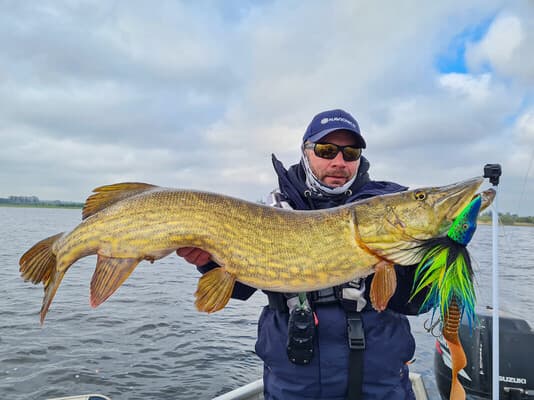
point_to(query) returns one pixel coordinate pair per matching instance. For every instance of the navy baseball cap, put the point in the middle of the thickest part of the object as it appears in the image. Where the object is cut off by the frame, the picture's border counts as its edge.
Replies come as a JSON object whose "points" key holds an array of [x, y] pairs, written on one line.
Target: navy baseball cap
{"points": [[329, 121]]}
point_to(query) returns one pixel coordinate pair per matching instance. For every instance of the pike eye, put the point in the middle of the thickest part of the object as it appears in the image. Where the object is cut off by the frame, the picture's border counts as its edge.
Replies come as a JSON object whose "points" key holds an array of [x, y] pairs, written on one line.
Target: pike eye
{"points": [[420, 195]]}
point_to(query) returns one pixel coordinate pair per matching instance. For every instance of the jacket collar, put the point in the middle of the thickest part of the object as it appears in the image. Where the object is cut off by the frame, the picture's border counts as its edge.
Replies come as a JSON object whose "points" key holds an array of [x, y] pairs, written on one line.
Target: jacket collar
{"points": [[292, 184]]}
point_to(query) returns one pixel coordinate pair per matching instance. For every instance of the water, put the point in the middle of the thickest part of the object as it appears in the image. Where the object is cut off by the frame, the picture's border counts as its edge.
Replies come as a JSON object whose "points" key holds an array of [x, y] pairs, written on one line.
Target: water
{"points": [[148, 341]]}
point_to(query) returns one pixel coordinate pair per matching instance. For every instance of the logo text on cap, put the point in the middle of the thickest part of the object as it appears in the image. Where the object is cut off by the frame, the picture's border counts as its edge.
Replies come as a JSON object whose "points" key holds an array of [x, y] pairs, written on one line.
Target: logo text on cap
{"points": [[332, 119]]}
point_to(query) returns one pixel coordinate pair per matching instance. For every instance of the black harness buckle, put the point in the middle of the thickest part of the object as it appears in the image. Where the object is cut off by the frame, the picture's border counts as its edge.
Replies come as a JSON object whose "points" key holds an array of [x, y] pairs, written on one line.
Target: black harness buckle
{"points": [[325, 296], [355, 331]]}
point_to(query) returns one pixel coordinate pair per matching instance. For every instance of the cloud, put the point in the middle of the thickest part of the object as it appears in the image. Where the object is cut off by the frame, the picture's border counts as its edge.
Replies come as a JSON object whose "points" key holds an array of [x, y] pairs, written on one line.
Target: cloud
{"points": [[506, 48], [199, 94], [525, 128]]}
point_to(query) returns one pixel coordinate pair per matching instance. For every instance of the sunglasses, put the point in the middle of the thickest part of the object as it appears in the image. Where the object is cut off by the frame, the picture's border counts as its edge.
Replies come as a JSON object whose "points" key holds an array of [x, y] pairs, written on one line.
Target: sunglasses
{"points": [[330, 150]]}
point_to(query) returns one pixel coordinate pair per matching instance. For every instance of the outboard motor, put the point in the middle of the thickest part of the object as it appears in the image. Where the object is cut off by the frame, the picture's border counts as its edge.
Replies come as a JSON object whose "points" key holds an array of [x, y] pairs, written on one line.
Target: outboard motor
{"points": [[516, 352]]}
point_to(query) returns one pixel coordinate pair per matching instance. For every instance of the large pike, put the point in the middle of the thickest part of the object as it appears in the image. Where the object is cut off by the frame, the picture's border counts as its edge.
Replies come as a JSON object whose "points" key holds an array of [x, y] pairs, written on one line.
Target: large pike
{"points": [[261, 246]]}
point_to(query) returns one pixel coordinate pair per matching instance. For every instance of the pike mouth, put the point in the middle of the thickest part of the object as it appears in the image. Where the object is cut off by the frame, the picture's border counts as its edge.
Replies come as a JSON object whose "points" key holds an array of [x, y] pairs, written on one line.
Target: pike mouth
{"points": [[459, 199], [456, 197], [487, 198]]}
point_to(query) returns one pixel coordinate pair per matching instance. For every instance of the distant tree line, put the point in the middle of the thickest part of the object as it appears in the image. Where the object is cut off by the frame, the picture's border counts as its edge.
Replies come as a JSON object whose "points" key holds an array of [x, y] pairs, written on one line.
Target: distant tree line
{"points": [[33, 201], [21, 199], [506, 218]]}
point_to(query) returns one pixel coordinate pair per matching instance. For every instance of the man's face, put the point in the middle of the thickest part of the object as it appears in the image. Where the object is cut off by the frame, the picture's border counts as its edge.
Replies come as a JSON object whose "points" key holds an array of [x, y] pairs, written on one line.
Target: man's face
{"points": [[335, 172]]}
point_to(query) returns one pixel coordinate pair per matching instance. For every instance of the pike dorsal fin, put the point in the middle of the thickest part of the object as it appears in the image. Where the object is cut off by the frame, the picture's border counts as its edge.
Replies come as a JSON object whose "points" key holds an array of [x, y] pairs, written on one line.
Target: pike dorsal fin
{"points": [[104, 196]]}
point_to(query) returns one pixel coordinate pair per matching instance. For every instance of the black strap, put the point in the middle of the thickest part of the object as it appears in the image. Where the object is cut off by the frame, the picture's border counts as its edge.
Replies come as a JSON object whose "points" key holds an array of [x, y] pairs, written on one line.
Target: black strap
{"points": [[277, 301], [357, 346]]}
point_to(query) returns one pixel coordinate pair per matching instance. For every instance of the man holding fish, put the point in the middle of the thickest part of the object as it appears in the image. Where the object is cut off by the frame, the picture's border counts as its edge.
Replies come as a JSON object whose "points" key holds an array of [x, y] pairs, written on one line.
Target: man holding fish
{"points": [[330, 330], [333, 343]]}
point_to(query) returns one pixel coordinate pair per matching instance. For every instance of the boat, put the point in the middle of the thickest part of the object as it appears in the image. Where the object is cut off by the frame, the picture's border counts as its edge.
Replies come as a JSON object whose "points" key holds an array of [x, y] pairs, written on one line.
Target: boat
{"points": [[83, 397], [516, 343], [254, 390]]}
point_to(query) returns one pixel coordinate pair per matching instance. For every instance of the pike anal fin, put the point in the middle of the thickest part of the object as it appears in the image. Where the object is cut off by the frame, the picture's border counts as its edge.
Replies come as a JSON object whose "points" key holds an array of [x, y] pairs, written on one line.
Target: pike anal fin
{"points": [[383, 285], [214, 290], [109, 275]]}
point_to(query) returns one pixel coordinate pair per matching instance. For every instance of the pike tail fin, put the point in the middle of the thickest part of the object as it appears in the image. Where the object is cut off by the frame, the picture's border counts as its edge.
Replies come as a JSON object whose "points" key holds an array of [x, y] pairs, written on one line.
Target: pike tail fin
{"points": [[447, 272], [38, 265], [50, 289]]}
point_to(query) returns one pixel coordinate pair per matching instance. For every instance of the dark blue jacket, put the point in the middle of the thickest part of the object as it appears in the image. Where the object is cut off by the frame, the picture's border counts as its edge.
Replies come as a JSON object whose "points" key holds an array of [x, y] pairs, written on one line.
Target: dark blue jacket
{"points": [[389, 342]]}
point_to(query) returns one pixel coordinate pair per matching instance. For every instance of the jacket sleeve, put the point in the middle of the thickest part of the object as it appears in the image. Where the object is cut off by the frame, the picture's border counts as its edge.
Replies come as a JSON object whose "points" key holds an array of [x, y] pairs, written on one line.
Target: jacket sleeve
{"points": [[240, 292], [400, 301]]}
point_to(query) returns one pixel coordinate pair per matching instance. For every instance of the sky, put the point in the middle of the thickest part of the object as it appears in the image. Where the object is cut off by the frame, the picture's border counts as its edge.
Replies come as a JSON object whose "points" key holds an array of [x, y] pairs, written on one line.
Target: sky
{"points": [[198, 95]]}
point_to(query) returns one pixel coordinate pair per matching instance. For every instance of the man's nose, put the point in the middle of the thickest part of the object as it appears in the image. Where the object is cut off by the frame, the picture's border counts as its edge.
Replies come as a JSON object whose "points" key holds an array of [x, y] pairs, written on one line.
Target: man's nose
{"points": [[338, 160]]}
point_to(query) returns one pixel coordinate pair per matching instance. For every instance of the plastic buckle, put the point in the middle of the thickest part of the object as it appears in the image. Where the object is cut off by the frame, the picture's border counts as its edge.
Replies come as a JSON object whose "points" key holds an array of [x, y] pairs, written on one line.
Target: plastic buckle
{"points": [[324, 296], [355, 332]]}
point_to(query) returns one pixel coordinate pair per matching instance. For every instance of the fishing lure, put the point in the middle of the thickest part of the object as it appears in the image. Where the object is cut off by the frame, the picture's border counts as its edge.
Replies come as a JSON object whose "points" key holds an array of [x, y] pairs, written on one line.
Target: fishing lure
{"points": [[446, 272], [446, 269]]}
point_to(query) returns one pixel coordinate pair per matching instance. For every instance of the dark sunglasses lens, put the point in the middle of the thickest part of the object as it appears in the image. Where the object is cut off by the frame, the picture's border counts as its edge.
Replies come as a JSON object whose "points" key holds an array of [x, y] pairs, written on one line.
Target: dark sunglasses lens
{"points": [[351, 153], [326, 150], [329, 151]]}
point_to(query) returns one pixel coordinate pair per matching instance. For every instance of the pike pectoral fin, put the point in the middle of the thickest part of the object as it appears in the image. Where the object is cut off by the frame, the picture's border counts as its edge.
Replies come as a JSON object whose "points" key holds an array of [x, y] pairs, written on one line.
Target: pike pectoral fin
{"points": [[383, 285], [109, 274], [214, 290]]}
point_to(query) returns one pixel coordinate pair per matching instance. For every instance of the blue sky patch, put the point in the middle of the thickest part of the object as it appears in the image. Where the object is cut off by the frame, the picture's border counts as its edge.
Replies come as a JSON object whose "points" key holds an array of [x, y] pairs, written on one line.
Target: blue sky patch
{"points": [[452, 59]]}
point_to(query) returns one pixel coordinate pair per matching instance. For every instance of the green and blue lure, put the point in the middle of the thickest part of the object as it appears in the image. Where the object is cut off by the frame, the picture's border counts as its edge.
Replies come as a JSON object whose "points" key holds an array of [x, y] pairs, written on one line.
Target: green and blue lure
{"points": [[445, 268]]}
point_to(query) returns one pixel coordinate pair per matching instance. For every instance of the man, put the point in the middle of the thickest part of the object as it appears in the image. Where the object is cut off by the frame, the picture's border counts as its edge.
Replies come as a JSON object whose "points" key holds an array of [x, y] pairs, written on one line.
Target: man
{"points": [[312, 345]]}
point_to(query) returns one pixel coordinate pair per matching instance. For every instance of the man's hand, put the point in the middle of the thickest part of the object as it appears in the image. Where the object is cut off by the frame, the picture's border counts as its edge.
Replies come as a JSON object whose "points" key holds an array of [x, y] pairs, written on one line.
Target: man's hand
{"points": [[194, 255]]}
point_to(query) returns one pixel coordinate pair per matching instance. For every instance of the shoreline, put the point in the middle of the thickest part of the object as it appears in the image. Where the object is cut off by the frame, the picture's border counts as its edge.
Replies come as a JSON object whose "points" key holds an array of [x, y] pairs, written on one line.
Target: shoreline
{"points": [[79, 207], [506, 224], [70, 207]]}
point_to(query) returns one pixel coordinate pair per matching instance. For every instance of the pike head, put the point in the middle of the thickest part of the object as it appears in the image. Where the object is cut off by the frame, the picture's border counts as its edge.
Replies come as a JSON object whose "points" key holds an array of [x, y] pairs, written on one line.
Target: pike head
{"points": [[393, 226]]}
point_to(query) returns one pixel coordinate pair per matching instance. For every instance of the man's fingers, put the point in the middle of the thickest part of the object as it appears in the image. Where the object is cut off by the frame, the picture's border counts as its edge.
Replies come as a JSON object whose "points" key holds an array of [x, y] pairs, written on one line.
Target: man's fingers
{"points": [[194, 255], [185, 251], [202, 258]]}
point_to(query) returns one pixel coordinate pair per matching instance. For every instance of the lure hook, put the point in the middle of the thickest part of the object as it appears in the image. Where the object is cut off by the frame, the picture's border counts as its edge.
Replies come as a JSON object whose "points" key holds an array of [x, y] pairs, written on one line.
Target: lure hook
{"points": [[431, 326]]}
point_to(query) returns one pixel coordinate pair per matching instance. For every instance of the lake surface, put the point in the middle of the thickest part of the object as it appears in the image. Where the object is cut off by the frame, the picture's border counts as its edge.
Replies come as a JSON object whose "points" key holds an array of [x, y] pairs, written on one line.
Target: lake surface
{"points": [[149, 342]]}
